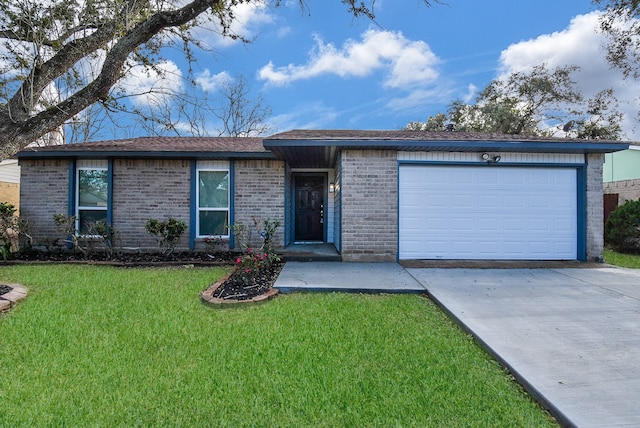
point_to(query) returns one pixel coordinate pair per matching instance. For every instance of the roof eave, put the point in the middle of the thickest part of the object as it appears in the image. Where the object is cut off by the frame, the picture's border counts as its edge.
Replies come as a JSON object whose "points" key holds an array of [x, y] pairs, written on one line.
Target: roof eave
{"points": [[570, 146], [322, 153], [112, 154]]}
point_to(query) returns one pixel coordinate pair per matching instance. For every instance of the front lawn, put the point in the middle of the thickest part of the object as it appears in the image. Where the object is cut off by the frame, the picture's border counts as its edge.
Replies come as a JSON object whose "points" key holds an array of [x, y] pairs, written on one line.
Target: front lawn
{"points": [[100, 346], [623, 260]]}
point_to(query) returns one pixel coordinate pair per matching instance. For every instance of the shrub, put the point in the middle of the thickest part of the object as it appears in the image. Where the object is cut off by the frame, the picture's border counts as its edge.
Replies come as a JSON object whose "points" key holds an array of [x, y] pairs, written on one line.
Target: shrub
{"points": [[84, 243], [622, 229], [105, 232], [265, 229], [213, 243], [167, 233], [256, 260], [66, 225], [12, 230], [266, 235]]}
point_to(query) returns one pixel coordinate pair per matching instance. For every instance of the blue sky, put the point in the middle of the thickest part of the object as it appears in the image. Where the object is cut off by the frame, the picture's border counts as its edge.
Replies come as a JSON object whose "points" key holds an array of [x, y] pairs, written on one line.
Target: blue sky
{"points": [[320, 68]]}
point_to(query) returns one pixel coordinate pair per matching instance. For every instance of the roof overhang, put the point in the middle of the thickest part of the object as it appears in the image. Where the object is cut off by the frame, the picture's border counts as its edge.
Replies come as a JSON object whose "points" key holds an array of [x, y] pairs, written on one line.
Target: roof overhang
{"points": [[310, 153], [112, 154]]}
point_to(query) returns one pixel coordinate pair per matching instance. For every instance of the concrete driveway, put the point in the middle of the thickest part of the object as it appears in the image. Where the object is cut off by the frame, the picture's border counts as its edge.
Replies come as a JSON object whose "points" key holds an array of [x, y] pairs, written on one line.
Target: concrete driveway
{"points": [[571, 336]]}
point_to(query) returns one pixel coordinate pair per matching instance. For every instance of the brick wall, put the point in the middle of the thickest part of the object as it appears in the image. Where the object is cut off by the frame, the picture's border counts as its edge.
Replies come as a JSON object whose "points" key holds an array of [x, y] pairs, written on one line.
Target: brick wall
{"points": [[595, 208], [627, 189], [44, 191], [143, 189], [259, 193], [369, 196]]}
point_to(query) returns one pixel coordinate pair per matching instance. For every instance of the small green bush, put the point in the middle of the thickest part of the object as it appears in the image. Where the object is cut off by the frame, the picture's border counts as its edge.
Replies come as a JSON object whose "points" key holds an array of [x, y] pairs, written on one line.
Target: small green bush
{"points": [[167, 233], [622, 229]]}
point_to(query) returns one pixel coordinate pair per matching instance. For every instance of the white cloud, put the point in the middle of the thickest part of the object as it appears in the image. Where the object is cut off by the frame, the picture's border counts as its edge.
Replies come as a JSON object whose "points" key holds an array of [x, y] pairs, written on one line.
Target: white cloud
{"points": [[579, 44], [248, 18], [420, 97], [152, 86], [407, 63], [313, 115], [210, 82]]}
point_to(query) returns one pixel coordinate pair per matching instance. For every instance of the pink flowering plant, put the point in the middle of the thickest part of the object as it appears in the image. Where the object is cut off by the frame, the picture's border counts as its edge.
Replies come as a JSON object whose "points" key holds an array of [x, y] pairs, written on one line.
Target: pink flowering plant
{"points": [[256, 259], [213, 243]]}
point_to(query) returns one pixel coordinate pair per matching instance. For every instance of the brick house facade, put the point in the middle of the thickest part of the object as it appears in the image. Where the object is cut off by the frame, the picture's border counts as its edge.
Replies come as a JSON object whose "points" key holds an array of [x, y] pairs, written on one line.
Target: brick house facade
{"points": [[346, 188]]}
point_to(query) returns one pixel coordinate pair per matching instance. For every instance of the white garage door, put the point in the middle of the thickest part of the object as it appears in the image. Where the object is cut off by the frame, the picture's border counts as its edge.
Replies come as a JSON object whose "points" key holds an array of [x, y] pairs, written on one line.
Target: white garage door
{"points": [[487, 212]]}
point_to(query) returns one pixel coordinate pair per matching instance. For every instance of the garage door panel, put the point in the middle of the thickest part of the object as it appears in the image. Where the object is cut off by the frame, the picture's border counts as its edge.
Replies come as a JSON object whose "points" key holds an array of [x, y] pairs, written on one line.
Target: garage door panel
{"points": [[480, 212], [488, 225]]}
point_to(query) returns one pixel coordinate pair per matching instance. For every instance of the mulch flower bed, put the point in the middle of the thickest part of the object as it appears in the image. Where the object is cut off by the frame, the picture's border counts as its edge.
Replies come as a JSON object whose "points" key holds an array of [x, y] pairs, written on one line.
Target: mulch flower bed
{"points": [[129, 258], [234, 287]]}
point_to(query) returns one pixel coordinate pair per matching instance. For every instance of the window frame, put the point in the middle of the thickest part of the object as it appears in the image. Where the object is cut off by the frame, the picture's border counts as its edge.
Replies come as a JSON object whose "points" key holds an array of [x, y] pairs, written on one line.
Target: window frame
{"points": [[77, 207], [199, 209]]}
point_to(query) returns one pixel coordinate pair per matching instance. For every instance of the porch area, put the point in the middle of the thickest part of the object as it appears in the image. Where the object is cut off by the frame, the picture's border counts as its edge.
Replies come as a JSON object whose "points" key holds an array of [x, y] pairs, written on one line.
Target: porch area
{"points": [[316, 252]]}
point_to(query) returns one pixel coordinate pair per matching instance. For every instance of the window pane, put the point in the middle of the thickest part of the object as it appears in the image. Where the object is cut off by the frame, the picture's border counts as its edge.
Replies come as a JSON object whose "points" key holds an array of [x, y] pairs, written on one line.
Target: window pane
{"points": [[213, 223], [213, 189], [92, 188], [85, 216]]}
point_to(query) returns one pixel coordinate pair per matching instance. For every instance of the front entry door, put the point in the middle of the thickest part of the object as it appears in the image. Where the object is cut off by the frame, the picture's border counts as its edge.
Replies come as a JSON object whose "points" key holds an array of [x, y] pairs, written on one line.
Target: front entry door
{"points": [[309, 208]]}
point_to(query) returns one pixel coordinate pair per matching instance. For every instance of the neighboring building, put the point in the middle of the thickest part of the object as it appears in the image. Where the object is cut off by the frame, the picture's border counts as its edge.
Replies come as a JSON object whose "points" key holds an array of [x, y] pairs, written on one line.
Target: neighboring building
{"points": [[10, 170], [375, 195], [10, 182], [621, 178]]}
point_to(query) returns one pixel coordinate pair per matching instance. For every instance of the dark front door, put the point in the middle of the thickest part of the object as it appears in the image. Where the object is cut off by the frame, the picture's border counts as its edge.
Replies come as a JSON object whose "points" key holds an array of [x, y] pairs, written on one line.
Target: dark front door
{"points": [[309, 208]]}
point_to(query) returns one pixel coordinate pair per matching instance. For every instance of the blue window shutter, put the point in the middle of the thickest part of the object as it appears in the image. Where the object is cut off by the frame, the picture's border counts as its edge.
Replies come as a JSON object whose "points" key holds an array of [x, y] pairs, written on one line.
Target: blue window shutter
{"points": [[193, 214], [110, 192], [232, 191], [288, 210], [71, 208]]}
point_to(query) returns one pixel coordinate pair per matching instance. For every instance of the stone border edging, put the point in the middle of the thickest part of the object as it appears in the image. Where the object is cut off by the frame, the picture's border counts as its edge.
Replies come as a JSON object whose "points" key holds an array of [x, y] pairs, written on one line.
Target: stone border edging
{"points": [[215, 302], [8, 300]]}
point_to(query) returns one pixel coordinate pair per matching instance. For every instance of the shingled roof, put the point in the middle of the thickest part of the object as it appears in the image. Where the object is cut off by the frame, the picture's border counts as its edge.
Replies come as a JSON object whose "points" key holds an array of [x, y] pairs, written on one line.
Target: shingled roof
{"points": [[407, 135], [176, 147], [318, 148]]}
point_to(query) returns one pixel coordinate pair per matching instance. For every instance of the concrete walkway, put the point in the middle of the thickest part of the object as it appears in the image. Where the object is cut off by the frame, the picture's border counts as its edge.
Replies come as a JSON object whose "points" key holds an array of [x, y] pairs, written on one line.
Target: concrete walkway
{"points": [[570, 336], [346, 277]]}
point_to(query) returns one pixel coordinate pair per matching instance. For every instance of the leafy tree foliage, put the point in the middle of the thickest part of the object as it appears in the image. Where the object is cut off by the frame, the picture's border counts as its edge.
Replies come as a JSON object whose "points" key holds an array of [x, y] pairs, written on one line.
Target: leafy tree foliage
{"points": [[539, 102], [622, 229], [59, 57], [620, 22]]}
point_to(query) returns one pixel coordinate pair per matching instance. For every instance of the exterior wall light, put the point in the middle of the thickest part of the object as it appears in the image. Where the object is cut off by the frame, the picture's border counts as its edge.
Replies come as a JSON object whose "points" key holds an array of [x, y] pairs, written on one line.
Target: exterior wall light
{"points": [[490, 159], [332, 187]]}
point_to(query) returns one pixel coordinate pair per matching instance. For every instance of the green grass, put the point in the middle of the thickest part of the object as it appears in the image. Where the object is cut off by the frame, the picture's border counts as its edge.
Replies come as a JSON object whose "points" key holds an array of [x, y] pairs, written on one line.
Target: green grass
{"points": [[623, 260], [99, 346]]}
